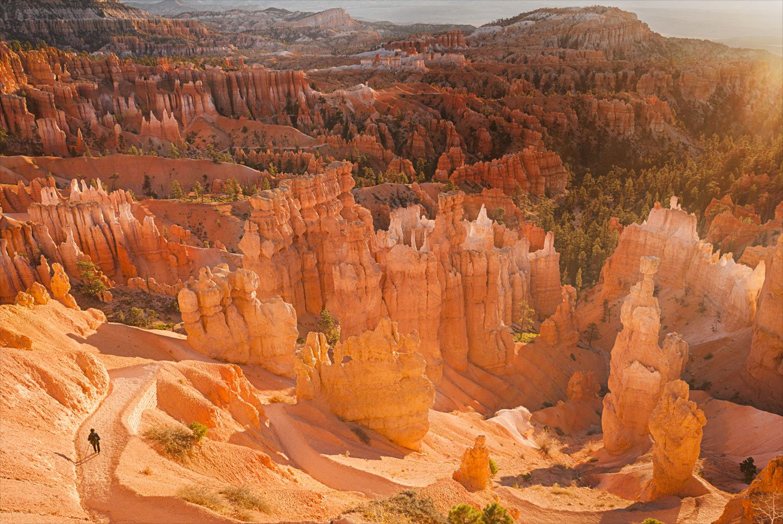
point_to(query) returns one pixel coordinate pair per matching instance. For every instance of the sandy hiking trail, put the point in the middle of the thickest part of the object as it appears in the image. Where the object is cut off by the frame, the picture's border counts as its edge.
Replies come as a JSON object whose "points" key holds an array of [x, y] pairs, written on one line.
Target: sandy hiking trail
{"points": [[116, 420]]}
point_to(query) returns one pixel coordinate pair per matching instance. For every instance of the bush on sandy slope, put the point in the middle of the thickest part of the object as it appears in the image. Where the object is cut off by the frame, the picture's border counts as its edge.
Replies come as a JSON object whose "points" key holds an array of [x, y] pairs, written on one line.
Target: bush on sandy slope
{"points": [[202, 496], [175, 441], [242, 497], [199, 430], [233, 501], [406, 507], [491, 514]]}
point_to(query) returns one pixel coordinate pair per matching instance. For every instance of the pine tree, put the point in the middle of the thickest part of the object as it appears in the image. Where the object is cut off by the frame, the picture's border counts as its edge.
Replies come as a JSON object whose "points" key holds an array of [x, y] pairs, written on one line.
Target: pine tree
{"points": [[329, 327], [198, 190], [233, 189], [591, 333], [526, 317], [90, 275], [176, 190], [146, 186]]}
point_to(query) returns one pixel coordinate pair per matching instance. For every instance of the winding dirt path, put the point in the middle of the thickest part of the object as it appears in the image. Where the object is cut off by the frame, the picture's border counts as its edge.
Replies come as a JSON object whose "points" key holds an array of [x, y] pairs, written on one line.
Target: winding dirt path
{"points": [[132, 390], [96, 470]]}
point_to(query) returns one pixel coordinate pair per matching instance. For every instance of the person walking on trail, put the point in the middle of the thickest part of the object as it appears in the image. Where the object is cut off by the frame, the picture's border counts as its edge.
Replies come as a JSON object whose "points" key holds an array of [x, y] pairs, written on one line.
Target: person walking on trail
{"points": [[95, 440]]}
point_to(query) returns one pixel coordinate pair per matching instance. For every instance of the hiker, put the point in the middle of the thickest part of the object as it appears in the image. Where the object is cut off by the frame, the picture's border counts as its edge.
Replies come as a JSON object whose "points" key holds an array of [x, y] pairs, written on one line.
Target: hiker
{"points": [[95, 440]]}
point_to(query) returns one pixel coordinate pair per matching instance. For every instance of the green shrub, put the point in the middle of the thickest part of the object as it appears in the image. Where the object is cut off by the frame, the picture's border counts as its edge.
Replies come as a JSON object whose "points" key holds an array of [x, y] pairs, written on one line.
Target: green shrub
{"points": [[175, 441], [138, 317], [234, 501], [329, 327], [525, 338], [491, 514], [464, 514], [493, 467], [405, 507], [748, 468], [89, 274], [199, 430], [495, 514], [651, 521]]}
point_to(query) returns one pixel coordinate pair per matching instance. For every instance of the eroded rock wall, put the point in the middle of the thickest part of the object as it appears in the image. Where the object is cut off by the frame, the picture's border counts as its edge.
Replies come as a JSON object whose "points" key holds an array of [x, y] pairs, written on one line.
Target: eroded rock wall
{"points": [[225, 320], [685, 263], [376, 379], [764, 365]]}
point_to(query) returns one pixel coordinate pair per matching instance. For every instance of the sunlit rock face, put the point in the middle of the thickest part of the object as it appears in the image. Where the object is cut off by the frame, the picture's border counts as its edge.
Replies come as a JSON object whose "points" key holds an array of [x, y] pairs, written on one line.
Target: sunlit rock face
{"points": [[685, 262], [225, 320], [311, 245], [764, 365], [376, 379], [474, 472], [93, 225], [460, 284], [639, 368], [469, 279], [760, 500], [676, 428], [531, 170]]}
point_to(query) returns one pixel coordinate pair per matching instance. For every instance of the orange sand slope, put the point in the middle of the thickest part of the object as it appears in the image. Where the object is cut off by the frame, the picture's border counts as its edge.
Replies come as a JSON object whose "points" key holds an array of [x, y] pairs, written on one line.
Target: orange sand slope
{"points": [[310, 466]]}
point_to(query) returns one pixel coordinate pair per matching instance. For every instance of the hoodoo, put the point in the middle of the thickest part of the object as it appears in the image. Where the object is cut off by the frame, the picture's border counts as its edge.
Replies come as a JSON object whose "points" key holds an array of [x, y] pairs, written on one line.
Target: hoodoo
{"points": [[640, 368], [676, 428], [376, 379]]}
